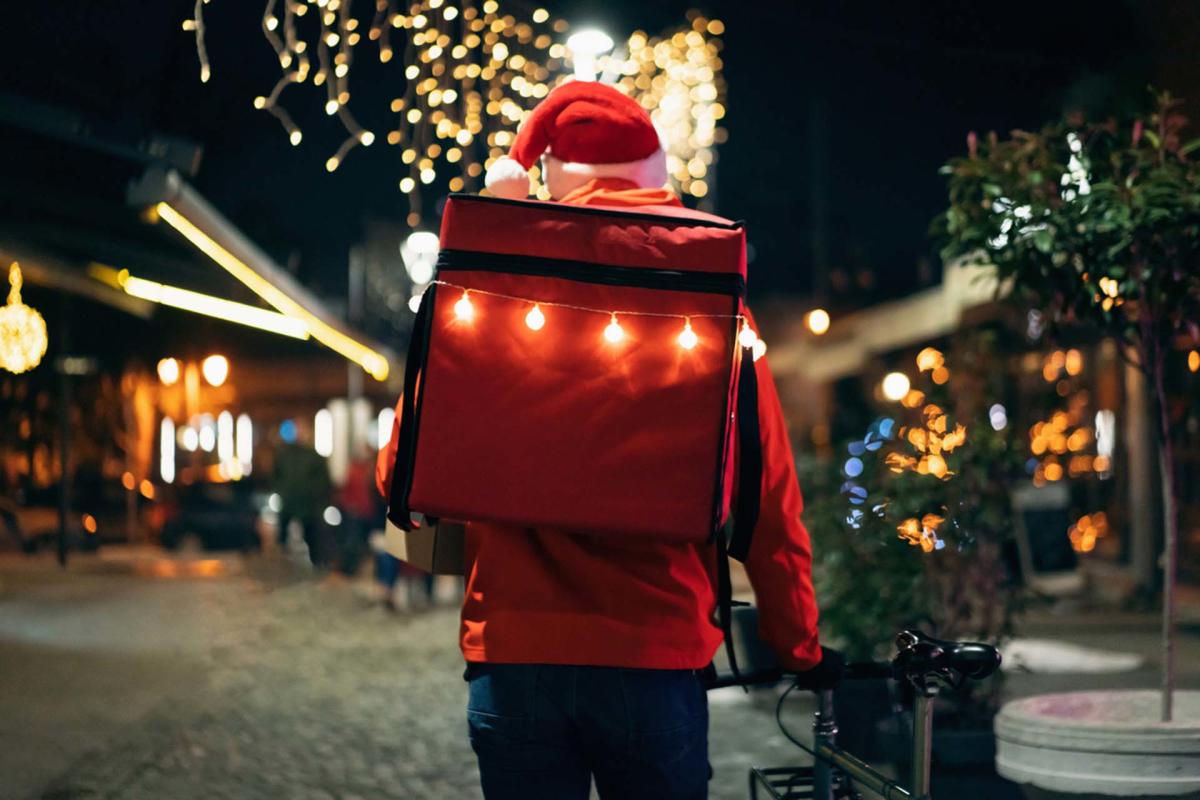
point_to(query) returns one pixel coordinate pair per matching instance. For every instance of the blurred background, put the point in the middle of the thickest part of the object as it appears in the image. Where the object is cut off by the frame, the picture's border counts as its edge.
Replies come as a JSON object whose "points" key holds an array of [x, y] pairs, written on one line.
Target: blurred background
{"points": [[225, 214]]}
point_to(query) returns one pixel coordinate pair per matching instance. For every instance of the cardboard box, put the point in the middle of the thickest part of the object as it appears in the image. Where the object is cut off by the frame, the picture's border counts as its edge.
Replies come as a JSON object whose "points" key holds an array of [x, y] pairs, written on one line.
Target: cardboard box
{"points": [[438, 549]]}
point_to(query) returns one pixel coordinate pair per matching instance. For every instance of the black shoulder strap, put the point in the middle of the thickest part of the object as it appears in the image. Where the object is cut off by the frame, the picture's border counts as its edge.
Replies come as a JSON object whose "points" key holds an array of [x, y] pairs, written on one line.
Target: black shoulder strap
{"points": [[745, 515], [406, 449], [725, 603], [750, 461]]}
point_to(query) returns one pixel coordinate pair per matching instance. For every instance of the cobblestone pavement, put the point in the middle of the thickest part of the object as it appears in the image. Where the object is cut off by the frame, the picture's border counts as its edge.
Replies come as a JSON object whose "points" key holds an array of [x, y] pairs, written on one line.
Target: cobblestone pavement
{"points": [[259, 687]]}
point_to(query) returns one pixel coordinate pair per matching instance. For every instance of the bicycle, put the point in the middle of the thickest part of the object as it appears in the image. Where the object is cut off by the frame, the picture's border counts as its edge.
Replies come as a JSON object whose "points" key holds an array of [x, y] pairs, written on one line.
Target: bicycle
{"points": [[925, 664]]}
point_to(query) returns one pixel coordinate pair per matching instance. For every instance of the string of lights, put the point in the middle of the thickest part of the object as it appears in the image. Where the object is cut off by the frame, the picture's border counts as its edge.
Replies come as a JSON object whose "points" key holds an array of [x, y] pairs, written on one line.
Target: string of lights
{"points": [[677, 78], [473, 72], [535, 319], [196, 24]]}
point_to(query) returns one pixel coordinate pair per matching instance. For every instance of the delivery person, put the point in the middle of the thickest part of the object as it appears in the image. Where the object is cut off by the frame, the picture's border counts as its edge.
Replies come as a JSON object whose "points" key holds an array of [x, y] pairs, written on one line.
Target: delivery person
{"points": [[585, 654]]}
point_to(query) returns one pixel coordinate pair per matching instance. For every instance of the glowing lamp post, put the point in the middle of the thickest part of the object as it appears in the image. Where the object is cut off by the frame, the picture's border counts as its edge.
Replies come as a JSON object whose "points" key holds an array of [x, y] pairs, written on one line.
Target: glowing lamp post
{"points": [[584, 47]]}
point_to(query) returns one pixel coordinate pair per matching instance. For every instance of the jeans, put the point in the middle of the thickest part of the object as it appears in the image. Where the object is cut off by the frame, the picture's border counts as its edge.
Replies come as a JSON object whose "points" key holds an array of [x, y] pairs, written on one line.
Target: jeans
{"points": [[545, 731]]}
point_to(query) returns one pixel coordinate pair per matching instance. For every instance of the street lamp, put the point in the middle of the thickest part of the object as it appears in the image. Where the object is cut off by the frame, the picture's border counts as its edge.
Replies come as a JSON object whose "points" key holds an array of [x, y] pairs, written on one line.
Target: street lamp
{"points": [[585, 46]]}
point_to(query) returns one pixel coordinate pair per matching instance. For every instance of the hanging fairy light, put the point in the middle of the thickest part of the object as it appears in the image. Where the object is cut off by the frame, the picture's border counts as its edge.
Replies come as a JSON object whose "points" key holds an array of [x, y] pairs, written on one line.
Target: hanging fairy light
{"points": [[463, 308], [688, 338], [747, 337], [472, 72], [23, 337], [613, 332]]}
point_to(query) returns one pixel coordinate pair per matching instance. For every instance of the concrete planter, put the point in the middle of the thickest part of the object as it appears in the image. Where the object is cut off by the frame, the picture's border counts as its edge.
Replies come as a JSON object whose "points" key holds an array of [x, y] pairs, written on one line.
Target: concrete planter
{"points": [[1100, 744]]}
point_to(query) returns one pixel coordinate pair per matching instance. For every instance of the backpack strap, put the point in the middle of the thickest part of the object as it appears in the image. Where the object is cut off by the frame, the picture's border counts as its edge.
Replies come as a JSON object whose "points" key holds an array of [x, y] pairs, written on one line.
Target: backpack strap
{"points": [[406, 447], [749, 492], [750, 461], [725, 603]]}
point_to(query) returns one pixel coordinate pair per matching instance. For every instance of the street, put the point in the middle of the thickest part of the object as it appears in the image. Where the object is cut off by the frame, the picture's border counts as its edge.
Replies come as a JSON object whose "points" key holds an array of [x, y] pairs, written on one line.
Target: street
{"points": [[143, 676], [252, 683]]}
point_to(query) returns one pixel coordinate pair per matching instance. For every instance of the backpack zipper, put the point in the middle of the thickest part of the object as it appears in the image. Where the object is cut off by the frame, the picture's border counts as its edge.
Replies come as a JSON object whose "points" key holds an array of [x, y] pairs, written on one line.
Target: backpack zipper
{"points": [[674, 280]]}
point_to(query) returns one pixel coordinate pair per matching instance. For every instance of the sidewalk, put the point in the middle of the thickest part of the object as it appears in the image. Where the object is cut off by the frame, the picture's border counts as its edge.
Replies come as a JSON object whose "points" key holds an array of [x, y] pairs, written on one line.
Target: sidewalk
{"points": [[252, 681]]}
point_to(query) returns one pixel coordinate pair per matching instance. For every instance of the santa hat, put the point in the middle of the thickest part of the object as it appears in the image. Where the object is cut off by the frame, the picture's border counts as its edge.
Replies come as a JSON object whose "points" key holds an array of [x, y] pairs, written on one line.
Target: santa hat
{"points": [[582, 130]]}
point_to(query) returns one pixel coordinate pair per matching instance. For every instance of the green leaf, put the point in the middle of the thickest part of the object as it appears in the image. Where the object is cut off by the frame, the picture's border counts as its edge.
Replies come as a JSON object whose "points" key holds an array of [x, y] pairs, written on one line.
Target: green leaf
{"points": [[1043, 240], [1188, 148], [1152, 138]]}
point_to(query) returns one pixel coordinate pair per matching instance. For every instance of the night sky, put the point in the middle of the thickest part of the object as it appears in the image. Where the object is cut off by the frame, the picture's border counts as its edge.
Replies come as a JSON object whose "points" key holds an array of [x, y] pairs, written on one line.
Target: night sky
{"points": [[839, 114]]}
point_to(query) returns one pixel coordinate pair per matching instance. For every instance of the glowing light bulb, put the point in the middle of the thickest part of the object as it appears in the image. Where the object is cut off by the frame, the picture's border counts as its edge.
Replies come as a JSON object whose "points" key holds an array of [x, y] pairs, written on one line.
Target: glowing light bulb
{"points": [[296, 137], [817, 321], [760, 349], [688, 338], [895, 386], [463, 308], [747, 337], [613, 332], [535, 319]]}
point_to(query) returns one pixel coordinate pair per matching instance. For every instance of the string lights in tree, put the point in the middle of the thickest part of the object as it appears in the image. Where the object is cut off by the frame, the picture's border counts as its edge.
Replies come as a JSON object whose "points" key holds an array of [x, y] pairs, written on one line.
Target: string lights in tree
{"points": [[472, 71], [196, 25], [677, 78]]}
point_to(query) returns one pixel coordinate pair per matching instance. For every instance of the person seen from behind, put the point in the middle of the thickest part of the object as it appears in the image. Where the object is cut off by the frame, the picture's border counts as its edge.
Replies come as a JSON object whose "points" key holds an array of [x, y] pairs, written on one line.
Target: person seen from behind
{"points": [[585, 654]]}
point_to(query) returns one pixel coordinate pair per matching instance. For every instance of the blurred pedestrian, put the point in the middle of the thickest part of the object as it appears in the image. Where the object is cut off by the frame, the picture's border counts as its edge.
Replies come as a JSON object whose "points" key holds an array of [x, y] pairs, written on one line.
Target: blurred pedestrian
{"points": [[301, 479], [361, 510]]}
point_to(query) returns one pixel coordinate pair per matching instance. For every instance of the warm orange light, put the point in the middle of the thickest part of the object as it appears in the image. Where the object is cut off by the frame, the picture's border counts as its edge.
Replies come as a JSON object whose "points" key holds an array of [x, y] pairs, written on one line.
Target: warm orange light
{"points": [[929, 359], [168, 371], [1074, 362], [147, 489], [463, 309], [1194, 361], [215, 369], [613, 331], [817, 321], [535, 319], [688, 338], [89, 523], [127, 480]]}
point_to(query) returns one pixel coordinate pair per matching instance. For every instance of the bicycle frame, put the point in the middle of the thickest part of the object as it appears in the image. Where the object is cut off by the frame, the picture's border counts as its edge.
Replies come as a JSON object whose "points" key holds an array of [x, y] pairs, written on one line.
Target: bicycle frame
{"points": [[830, 758], [924, 665]]}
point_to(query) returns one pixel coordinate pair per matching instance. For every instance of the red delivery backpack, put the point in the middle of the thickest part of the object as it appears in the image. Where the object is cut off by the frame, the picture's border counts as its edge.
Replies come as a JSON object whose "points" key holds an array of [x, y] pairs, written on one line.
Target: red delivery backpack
{"points": [[581, 368]]}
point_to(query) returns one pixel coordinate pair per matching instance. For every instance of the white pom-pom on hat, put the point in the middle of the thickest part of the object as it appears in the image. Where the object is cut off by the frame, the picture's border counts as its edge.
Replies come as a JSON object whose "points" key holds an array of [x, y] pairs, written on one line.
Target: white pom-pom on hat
{"points": [[507, 178]]}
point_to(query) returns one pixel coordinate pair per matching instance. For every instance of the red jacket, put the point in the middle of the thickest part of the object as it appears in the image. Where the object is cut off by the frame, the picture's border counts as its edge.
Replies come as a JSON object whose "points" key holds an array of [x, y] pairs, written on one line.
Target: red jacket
{"points": [[552, 597]]}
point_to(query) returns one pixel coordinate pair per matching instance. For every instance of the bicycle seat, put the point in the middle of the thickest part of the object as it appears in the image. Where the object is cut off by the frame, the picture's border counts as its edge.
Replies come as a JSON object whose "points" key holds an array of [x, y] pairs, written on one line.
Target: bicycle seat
{"points": [[919, 655]]}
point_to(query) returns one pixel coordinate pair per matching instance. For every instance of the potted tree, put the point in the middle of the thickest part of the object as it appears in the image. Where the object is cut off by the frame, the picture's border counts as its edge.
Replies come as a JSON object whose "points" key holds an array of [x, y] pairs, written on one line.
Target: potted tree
{"points": [[1098, 223], [918, 533]]}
